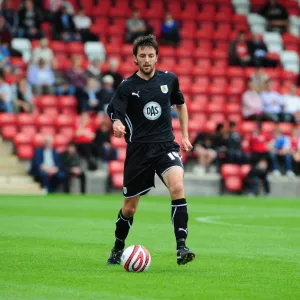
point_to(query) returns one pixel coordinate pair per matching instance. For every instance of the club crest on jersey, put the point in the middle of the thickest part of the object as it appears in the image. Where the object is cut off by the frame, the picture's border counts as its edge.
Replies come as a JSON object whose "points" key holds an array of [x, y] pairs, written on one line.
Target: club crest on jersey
{"points": [[152, 110], [164, 88]]}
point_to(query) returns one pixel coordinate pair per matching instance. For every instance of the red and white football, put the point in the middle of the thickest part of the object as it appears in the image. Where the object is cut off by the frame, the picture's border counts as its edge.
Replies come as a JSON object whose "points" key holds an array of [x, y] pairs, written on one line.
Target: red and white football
{"points": [[136, 258]]}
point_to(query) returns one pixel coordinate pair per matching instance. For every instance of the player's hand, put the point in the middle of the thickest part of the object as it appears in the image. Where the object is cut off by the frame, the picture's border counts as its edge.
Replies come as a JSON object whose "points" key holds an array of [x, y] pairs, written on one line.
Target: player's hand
{"points": [[186, 145], [119, 129]]}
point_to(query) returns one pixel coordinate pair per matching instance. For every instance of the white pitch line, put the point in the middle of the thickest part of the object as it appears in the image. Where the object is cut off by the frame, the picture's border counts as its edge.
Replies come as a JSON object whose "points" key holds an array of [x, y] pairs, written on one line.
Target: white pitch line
{"points": [[214, 220]]}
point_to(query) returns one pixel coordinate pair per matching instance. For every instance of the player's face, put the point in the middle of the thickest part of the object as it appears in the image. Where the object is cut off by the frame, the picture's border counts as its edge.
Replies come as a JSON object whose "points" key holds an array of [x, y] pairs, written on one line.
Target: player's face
{"points": [[146, 59]]}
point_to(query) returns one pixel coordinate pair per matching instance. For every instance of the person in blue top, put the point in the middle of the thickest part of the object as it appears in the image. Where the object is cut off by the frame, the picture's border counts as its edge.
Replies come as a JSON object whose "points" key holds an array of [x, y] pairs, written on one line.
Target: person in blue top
{"points": [[280, 147], [170, 30]]}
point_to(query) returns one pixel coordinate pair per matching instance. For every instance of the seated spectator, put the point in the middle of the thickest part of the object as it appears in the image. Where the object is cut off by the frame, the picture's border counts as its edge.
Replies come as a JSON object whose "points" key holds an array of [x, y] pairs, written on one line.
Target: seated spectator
{"points": [[234, 146], [252, 106], [258, 174], [5, 65], [170, 31], [204, 152], [113, 67], [295, 148], [259, 52], [94, 69], [276, 15], [76, 75], [259, 78], [10, 16], [102, 145], [43, 52], [106, 93], [280, 147], [239, 52], [82, 24], [70, 164], [22, 97], [88, 98], [65, 89], [84, 137], [219, 143], [45, 166], [135, 27], [272, 102], [5, 95], [41, 78], [258, 145], [291, 105], [64, 27], [29, 21]]}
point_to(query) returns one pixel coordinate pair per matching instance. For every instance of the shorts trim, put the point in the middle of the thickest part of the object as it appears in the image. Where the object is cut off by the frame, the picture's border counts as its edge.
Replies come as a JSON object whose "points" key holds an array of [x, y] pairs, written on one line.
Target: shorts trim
{"points": [[146, 190], [169, 169]]}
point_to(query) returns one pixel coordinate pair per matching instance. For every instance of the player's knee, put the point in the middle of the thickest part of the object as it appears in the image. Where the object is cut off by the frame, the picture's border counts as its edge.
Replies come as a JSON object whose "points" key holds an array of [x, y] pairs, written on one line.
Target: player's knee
{"points": [[128, 211], [176, 188]]}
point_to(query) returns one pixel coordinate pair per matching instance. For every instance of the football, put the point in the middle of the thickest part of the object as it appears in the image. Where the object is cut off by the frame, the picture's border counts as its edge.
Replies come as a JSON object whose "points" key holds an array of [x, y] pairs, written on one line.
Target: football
{"points": [[136, 258]]}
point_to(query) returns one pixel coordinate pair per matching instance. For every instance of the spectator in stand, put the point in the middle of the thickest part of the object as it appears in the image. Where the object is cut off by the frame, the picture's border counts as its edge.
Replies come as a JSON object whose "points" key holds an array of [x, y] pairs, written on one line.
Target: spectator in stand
{"points": [[94, 69], [234, 146], [65, 89], [204, 152], [83, 139], [45, 166], [291, 105], [70, 164], [259, 78], [295, 148], [170, 31], [22, 97], [5, 95], [41, 78], [76, 75], [106, 93], [88, 99], [252, 106], [64, 27], [29, 21], [113, 67], [276, 15], [11, 17], [259, 52], [239, 51], [82, 24], [43, 52], [135, 27], [219, 143], [258, 174], [280, 148], [272, 102], [259, 144], [102, 145], [5, 65]]}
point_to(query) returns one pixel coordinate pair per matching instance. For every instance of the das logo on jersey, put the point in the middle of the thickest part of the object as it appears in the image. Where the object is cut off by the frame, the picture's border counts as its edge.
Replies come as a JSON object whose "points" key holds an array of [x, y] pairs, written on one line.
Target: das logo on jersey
{"points": [[152, 110], [164, 88]]}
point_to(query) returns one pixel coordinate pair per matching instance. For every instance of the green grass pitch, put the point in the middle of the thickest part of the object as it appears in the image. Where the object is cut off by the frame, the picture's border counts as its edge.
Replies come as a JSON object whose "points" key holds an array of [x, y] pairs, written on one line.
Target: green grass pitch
{"points": [[56, 247]]}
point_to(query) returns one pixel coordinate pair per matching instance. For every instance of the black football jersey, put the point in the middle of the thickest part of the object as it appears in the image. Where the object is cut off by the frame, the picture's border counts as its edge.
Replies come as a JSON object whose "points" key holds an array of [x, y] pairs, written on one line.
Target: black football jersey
{"points": [[144, 107]]}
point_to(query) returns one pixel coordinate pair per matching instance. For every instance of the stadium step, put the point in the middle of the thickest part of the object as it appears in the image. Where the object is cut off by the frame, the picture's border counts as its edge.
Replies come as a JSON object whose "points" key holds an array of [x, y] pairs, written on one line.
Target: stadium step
{"points": [[13, 175]]}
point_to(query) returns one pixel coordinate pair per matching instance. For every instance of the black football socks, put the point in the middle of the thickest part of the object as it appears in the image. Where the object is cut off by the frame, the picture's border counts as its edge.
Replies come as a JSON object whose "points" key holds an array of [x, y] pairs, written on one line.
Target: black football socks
{"points": [[180, 220], [123, 226]]}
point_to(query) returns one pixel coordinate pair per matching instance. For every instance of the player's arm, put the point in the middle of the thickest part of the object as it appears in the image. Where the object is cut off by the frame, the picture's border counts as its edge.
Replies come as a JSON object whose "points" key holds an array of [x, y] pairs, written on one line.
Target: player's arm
{"points": [[178, 100], [117, 109]]}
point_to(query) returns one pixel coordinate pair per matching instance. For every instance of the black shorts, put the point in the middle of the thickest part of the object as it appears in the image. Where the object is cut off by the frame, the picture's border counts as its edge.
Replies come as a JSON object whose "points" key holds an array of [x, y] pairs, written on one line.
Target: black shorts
{"points": [[143, 161]]}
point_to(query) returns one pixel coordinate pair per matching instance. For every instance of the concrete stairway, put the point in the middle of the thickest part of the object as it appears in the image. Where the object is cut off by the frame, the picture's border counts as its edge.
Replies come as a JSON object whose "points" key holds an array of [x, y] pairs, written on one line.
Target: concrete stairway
{"points": [[13, 176]]}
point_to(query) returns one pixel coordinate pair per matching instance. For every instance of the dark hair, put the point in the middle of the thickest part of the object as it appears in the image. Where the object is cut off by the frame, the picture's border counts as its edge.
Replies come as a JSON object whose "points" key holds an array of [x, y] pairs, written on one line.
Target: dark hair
{"points": [[71, 144], [145, 41], [219, 127], [2, 76], [232, 124]]}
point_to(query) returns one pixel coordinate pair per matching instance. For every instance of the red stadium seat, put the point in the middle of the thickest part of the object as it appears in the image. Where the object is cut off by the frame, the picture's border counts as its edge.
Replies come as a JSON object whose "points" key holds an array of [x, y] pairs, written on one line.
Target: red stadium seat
{"points": [[217, 118], [47, 101], [75, 48], [232, 108], [25, 119], [8, 132], [233, 183], [244, 170], [117, 180], [28, 129], [121, 154], [268, 127], [230, 170], [67, 131], [25, 152], [47, 130], [117, 142], [209, 126], [67, 102], [60, 141], [115, 167], [248, 127], [64, 120], [44, 120], [22, 138], [7, 119], [38, 140], [58, 47], [286, 128], [51, 111]]}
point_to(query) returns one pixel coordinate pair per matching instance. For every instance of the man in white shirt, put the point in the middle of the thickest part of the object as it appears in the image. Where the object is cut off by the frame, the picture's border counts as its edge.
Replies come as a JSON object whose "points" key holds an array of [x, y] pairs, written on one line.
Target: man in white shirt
{"points": [[272, 102], [291, 105], [43, 52]]}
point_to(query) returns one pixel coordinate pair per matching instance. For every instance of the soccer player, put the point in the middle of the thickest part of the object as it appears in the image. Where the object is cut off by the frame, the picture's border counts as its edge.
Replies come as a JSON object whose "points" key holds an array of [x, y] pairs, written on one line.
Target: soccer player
{"points": [[141, 111]]}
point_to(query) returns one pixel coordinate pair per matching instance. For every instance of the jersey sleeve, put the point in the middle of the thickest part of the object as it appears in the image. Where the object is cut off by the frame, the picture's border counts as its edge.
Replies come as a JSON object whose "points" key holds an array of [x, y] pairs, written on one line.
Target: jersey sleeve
{"points": [[177, 97], [118, 104]]}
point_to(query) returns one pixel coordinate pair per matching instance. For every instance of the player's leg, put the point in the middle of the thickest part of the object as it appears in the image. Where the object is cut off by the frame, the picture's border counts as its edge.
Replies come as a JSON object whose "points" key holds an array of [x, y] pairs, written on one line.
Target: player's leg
{"points": [[123, 225], [173, 179]]}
